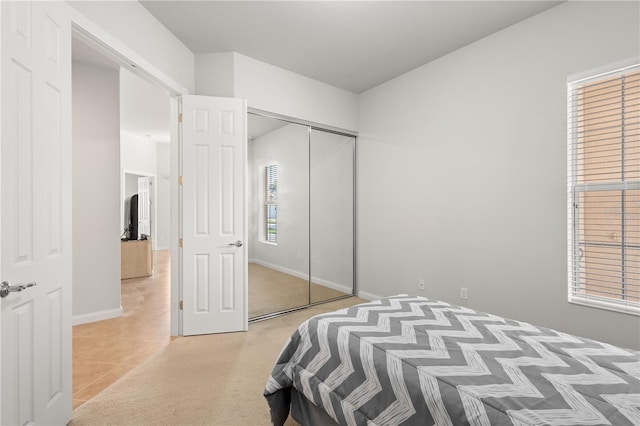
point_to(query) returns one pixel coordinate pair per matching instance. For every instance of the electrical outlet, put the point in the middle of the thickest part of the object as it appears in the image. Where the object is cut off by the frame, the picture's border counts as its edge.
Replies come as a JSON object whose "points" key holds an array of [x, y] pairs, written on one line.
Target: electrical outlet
{"points": [[421, 284], [463, 293]]}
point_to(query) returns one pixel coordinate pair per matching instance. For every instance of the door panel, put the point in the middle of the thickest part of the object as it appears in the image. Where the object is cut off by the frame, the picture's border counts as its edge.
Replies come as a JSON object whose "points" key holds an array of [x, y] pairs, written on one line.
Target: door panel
{"points": [[279, 215], [35, 224], [214, 271], [331, 215]]}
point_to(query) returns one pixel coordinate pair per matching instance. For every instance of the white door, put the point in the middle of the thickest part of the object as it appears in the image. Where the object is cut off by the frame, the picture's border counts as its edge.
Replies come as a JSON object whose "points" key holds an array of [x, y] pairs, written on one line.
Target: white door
{"points": [[35, 222], [214, 283], [144, 206]]}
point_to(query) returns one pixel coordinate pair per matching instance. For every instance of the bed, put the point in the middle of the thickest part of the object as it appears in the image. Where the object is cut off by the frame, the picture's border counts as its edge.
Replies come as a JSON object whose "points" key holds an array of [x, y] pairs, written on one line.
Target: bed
{"points": [[410, 360]]}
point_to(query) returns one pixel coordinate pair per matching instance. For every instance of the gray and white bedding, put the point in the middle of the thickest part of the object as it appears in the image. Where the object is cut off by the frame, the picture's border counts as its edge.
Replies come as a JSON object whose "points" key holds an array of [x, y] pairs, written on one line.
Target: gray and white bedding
{"points": [[411, 360]]}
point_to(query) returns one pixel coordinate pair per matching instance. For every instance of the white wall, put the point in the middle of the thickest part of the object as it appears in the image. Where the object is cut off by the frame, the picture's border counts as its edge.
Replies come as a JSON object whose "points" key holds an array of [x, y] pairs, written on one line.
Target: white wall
{"points": [[214, 74], [133, 26], [138, 157], [96, 193], [274, 89], [331, 210], [138, 154], [462, 171], [269, 88], [130, 185], [163, 201]]}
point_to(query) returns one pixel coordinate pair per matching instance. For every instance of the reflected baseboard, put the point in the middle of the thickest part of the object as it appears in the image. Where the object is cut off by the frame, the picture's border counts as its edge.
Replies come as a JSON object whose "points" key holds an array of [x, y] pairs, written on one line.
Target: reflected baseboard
{"points": [[315, 280]]}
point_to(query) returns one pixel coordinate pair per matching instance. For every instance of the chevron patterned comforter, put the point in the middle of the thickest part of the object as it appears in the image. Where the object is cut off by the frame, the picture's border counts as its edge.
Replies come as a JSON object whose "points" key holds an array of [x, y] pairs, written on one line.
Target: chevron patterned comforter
{"points": [[413, 361]]}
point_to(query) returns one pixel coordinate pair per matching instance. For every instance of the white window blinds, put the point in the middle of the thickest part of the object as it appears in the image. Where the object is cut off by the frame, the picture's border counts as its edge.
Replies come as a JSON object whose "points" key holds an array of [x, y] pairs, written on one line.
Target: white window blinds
{"points": [[604, 190], [271, 203]]}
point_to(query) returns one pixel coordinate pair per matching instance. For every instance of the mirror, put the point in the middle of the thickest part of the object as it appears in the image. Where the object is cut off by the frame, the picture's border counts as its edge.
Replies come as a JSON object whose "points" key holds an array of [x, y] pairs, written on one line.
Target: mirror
{"points": [[278, 157], [331, 215], [301, 216]]}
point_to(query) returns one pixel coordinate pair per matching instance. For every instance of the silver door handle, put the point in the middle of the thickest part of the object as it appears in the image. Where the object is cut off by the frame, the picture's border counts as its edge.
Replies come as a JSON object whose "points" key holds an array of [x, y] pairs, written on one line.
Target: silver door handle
{"points": [[6, 288], [237, 244]]}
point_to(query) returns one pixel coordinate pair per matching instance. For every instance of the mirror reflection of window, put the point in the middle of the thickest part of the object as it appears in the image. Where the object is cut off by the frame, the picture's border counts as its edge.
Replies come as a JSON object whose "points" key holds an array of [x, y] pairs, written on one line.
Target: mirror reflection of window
{"points": [[271, 203]]}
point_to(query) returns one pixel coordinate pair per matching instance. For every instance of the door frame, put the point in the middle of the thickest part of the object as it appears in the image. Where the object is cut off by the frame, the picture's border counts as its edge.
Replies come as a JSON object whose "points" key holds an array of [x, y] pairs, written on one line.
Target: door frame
{"points": [[103, 42]]}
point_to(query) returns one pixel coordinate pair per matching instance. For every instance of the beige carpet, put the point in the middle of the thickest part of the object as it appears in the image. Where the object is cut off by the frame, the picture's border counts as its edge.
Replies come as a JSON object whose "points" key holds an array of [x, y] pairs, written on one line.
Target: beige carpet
{"points": [[273, 291], [201, 380]]}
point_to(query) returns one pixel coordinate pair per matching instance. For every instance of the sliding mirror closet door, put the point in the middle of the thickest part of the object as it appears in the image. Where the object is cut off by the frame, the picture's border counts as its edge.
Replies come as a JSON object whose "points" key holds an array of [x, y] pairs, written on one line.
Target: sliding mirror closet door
{"points": [[278, 160], [331, 215]]}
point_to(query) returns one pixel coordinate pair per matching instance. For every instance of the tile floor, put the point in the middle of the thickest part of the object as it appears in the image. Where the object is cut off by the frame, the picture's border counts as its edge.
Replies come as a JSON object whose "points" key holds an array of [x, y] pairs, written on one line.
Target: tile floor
{"points": [[103, 351]]}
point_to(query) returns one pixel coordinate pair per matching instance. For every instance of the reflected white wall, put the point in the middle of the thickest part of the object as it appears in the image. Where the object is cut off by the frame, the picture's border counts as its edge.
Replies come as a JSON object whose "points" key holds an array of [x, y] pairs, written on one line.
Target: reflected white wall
{"points": [[331, 212]]}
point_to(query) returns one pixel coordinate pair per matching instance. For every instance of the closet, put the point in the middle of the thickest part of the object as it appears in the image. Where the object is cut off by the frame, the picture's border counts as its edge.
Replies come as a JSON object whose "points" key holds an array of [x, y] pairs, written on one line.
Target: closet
{"points": [[300, 214]]}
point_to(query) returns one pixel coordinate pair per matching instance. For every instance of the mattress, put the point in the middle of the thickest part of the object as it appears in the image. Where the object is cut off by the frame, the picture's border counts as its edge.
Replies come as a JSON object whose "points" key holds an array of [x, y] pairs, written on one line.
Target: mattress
{"points": [[410, 360]]}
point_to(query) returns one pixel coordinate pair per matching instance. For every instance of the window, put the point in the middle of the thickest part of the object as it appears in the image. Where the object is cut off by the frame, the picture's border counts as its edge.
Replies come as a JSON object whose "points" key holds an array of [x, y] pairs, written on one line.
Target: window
{"points": [[604, 190], [270, 225]]}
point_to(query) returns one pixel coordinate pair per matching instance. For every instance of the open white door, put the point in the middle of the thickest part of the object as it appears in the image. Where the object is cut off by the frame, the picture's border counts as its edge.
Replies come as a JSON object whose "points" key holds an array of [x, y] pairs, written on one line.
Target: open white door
{"points": [[214, 282], [35, 224], [144, 206]]}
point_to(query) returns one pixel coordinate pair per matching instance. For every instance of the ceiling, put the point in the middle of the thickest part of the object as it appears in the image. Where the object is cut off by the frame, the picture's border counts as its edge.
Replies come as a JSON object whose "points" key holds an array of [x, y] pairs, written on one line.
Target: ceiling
{"points": [[354, 45]]}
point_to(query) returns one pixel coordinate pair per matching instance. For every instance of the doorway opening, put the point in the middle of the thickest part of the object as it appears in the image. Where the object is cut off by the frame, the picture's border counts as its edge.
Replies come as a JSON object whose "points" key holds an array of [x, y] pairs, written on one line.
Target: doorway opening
{"points": [[121, 134]]}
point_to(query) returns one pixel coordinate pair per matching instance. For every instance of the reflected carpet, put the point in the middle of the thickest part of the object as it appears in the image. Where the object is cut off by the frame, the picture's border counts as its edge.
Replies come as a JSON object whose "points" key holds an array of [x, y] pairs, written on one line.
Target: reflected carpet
{"points": [[274, 291]]}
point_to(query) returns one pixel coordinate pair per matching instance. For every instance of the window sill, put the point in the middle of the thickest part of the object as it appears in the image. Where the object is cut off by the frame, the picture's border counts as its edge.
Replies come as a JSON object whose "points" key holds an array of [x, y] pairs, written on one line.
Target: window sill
{"points": [[609, 306], [269, 243]]}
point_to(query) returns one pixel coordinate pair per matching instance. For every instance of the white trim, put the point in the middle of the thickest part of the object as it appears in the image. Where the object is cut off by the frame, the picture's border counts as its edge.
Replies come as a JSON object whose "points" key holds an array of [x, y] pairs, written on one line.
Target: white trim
{"points": [[607, 186], [97, 316], [602, 304], [335, 286], [279, 268], [604, 70], [312, 124], [93, 35], [316, 280], [369, 296]]}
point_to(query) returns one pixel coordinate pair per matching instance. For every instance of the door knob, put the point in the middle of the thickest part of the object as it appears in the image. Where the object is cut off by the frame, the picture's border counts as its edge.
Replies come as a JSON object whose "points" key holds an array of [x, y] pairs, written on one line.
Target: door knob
{"points": [[237, 244], [6, 288]]}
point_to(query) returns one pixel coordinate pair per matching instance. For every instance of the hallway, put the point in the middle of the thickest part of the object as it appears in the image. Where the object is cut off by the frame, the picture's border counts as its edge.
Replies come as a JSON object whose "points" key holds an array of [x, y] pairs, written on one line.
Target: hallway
{"points": [[104, 351]]}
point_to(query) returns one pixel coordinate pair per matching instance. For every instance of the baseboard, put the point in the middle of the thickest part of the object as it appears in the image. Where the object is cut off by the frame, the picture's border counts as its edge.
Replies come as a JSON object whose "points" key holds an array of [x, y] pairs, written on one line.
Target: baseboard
{"points": [[279, 268], [161, 248], [317, 280], [368, 296], [335, 286], [96, 316]]}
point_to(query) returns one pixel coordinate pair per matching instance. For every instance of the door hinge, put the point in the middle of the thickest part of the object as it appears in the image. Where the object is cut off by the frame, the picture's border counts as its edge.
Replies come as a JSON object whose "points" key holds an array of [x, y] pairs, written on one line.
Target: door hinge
{"points": [[181, 305], [180, 118], [181, 180], [181, 243]]}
